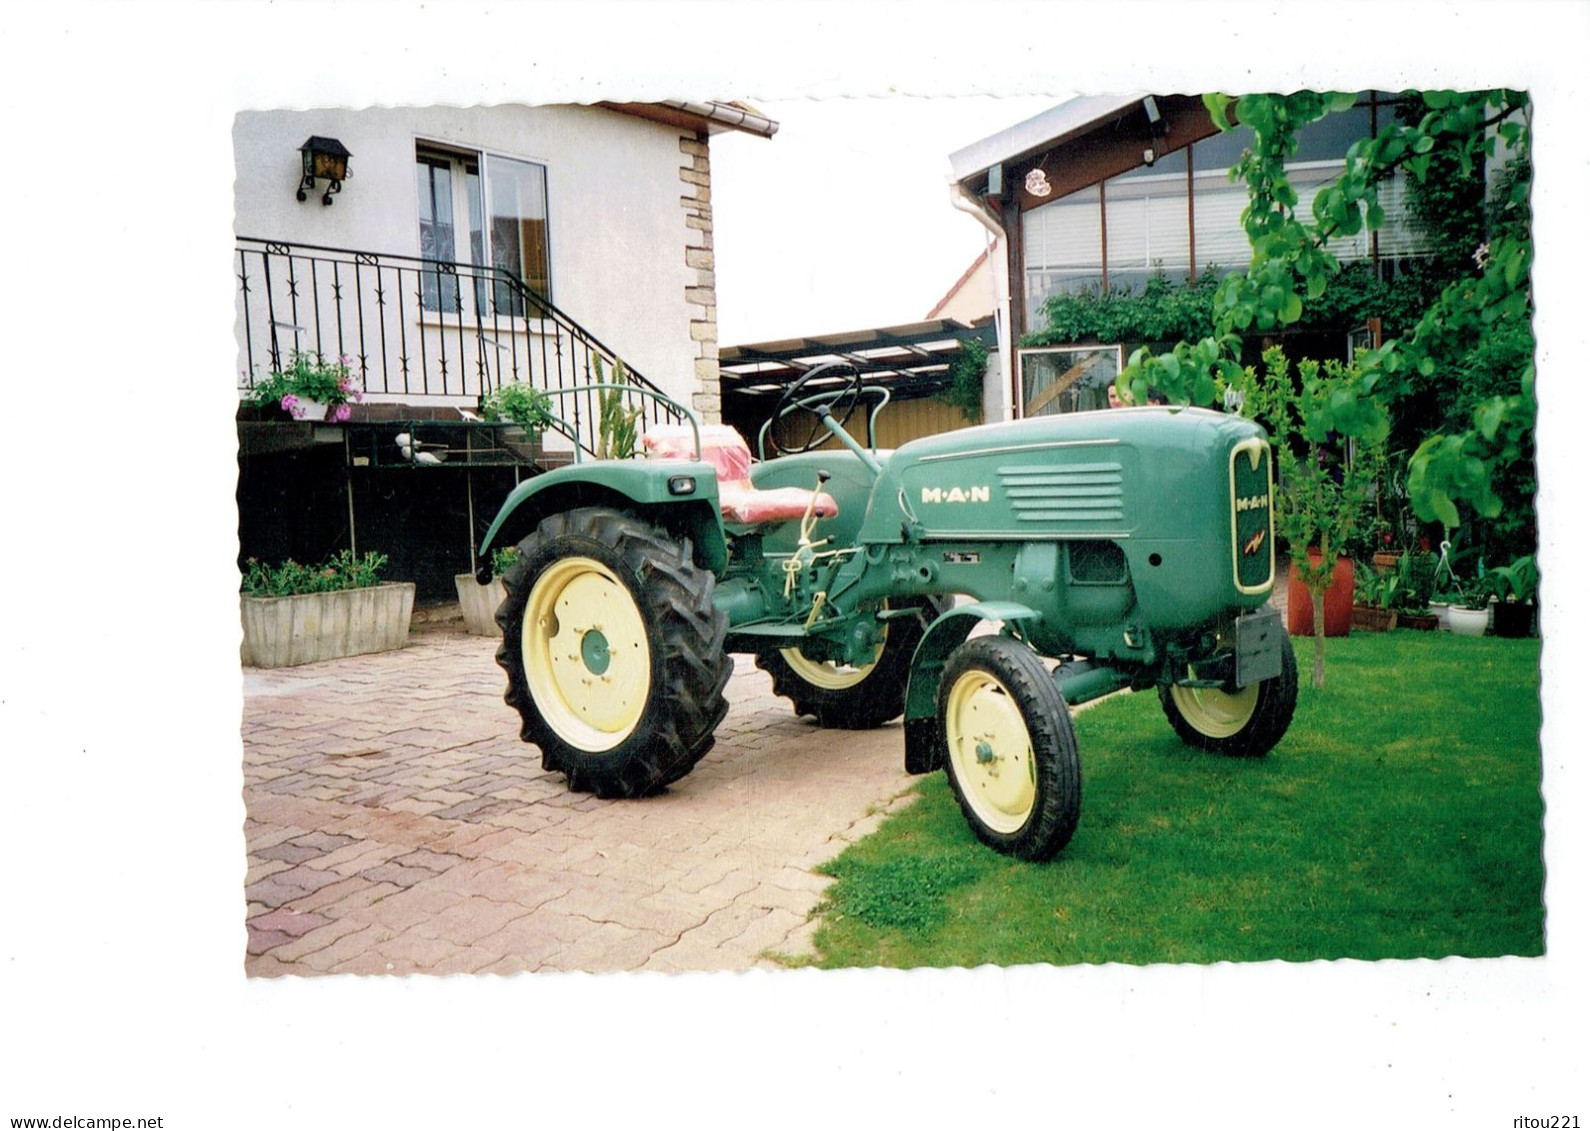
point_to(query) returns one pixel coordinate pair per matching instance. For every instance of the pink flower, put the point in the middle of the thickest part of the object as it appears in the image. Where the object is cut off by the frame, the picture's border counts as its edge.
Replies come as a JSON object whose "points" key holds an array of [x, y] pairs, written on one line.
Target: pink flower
{"points": [[341, 413]]}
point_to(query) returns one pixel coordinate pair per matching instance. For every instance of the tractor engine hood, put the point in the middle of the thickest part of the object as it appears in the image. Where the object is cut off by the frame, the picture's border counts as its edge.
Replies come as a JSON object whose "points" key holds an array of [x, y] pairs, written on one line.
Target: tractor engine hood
{"points": [[1093, 475]]}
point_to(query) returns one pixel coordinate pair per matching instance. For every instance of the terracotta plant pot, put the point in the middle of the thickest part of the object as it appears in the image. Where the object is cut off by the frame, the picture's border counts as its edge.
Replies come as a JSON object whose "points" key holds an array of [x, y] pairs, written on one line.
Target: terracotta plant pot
{"points": [[1338, 600]]}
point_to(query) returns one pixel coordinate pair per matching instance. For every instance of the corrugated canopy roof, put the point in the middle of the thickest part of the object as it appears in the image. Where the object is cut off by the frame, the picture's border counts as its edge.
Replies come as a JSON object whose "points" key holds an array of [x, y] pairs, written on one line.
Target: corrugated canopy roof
{"points": [[912, 360]]}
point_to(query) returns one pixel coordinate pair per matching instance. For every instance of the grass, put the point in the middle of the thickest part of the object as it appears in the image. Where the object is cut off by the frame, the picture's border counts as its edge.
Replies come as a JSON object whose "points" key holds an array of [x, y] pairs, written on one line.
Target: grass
{"points": [[1400, 817]]}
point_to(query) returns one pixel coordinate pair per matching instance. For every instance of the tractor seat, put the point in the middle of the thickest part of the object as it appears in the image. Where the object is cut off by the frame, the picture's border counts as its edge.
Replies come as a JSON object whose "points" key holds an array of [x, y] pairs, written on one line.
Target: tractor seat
{"points": [[739, 500]]}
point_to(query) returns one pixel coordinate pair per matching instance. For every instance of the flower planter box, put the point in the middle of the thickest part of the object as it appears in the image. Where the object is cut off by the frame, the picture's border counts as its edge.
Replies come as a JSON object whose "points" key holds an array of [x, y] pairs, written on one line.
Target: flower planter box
{"points": [[479, 603], [1374, 620], [1419, 622], [282, 632]]}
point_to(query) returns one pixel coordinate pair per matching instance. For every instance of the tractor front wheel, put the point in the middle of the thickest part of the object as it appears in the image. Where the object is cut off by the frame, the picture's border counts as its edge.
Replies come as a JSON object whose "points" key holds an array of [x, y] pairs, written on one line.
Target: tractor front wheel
{"points": [[1241, 724], [1010, 752], [614, 652], [848, 697]]}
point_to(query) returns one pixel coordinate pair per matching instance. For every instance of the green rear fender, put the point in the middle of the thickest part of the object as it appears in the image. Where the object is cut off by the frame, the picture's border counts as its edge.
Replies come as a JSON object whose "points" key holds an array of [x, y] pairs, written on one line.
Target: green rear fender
{"points": [[640, 487]]}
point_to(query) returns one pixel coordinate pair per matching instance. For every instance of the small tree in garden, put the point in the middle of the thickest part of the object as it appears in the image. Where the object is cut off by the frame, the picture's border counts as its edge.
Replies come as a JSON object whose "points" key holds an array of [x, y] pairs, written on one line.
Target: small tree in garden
{"points": [[1321, 484]]}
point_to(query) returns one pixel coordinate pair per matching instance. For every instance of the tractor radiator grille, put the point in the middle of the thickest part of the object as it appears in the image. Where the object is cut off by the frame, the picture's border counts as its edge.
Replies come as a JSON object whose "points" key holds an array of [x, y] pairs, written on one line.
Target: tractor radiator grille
{"points": [[1087, 493]]}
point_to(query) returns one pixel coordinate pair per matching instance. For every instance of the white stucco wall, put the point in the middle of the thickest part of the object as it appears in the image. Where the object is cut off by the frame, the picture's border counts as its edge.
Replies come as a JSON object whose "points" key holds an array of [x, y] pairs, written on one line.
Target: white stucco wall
{"points": [[617, 234]]}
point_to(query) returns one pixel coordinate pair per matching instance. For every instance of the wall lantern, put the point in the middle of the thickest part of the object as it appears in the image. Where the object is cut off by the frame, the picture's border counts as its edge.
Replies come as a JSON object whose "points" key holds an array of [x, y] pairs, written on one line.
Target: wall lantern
{"points": [[326, 158]]}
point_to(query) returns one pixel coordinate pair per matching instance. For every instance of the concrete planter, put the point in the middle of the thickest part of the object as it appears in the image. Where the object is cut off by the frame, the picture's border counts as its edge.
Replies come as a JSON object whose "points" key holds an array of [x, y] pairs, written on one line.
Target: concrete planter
{"points": [[281, 632], [1468, 622], [479, 603]]}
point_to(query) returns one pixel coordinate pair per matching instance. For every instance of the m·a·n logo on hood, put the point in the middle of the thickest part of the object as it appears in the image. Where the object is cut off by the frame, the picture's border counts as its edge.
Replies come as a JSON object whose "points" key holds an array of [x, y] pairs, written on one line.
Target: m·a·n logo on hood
{"points": [[955, 495]]}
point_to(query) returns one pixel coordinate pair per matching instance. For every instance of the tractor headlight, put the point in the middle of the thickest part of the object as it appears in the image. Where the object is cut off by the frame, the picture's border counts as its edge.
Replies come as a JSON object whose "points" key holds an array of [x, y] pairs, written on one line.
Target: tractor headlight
{"points": [[682, 485]]}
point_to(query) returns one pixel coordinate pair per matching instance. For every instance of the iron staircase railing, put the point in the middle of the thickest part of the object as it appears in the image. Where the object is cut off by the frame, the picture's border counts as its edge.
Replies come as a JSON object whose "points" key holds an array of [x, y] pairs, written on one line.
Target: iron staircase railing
{"points": [[425, 332]]}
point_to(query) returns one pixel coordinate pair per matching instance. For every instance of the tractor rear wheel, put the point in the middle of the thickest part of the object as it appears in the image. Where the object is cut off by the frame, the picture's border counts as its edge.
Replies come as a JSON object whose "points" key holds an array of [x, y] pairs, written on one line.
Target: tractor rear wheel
{"points": [[1241, 724], [614, 652], [1009, 750], [854, 698]]}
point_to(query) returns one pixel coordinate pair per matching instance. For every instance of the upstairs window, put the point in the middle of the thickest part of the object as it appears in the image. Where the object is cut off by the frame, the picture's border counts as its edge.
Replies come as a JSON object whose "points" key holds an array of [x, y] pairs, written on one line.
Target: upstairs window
{"points": [[482, 210]]}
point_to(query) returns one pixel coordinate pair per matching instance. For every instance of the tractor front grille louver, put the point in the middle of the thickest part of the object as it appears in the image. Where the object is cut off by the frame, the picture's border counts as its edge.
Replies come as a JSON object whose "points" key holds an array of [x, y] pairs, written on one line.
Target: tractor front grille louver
{"points": [[1087, 493]]}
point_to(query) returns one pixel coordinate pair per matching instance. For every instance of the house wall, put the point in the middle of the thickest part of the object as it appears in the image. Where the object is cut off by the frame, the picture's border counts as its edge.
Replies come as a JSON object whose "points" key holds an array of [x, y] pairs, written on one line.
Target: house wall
{"points": [[625, 263]]}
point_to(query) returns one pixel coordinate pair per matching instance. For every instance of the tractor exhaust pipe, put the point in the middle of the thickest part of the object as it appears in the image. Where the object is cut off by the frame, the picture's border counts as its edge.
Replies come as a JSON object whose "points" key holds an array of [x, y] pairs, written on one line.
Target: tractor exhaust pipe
{"points": [[1082, 681]]}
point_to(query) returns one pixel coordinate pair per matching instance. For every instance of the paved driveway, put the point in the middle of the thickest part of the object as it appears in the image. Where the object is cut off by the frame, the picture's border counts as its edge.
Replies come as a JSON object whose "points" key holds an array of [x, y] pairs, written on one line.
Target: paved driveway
{"points": [[397, 825]]}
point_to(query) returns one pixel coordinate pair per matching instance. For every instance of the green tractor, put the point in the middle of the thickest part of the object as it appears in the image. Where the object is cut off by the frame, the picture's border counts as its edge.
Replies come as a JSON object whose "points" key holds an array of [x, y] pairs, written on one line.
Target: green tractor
{"points": [[1133, 547]]}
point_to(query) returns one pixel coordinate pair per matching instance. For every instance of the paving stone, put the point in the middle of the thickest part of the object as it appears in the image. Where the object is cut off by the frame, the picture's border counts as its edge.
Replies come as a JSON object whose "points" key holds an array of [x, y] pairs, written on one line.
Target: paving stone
{"points": [[471, 920], [341, 954], [390, 873], [305, 879], [287, 853], [607, 947], [270, 893], [423, 951], [433, 862], [259, 941], [318, 939], [350, 905], [288, 922], [323, 842]]}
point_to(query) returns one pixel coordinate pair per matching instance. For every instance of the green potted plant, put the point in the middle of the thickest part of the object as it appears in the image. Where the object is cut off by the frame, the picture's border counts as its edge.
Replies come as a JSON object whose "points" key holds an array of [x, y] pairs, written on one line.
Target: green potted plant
{"points": [[310, 388], [1514, 588], [1375, 596], [297, 614], [524, 409], [618, 422], [1415, 589], [479, 602]]}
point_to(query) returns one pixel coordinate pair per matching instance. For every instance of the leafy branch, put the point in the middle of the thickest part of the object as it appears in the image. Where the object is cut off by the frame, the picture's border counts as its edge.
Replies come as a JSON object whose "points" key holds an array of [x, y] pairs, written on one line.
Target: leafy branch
{"points": [[1292, 264]]}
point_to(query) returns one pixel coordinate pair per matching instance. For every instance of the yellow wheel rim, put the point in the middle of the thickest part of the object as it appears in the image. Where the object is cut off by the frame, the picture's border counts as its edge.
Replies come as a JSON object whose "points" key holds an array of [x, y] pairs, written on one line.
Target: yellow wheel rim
{"points": [[586, 659], [1217, 714], [828, 675], [991, 751]]}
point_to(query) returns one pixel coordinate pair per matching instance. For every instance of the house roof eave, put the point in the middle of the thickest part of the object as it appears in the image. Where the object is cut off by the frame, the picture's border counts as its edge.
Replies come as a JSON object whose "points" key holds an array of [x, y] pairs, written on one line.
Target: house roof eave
{"points": [[703, 117], [1043, 131]]}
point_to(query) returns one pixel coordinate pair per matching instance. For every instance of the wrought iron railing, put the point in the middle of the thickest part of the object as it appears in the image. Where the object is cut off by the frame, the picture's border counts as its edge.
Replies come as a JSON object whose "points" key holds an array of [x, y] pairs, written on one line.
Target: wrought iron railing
{"points": [[423, 332]]}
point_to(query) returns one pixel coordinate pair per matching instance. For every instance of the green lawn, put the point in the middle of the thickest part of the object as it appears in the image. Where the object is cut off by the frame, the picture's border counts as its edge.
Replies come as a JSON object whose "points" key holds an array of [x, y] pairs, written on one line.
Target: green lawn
{"points": [[1400, 817]]}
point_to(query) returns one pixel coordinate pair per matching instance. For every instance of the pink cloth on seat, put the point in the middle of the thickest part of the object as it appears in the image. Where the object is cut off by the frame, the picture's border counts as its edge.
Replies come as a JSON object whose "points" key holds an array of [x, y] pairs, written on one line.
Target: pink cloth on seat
{"points": [[739, 500]]}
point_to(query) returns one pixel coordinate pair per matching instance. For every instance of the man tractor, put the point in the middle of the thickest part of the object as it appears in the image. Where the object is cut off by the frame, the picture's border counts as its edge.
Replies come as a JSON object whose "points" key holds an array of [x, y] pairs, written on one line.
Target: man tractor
{"points": [[1133, 548]]}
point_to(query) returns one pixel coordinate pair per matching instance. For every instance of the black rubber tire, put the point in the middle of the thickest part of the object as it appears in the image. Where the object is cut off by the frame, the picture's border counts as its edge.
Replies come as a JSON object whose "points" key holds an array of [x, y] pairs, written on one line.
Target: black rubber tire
{"points": [[876, 699], [684, 632], [1055, 768], [1268, 721]]}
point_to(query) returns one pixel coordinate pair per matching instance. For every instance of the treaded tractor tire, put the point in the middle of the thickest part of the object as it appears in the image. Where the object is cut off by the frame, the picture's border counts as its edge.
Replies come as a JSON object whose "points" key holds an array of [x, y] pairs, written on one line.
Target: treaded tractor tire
{"points": [[1245, 725], [1009, 751], [618, 669], [854, 699]]}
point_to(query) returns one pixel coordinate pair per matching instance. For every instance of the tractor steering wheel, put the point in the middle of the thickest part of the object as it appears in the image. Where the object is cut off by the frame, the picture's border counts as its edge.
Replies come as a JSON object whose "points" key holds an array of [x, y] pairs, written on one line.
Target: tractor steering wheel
{"points": [[840, 404]]}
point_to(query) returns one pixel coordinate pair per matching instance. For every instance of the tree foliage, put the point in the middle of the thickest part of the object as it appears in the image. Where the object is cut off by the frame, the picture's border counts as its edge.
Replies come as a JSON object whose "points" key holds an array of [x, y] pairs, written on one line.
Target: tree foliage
{"points": [[1292, 266], [966, 373]]}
